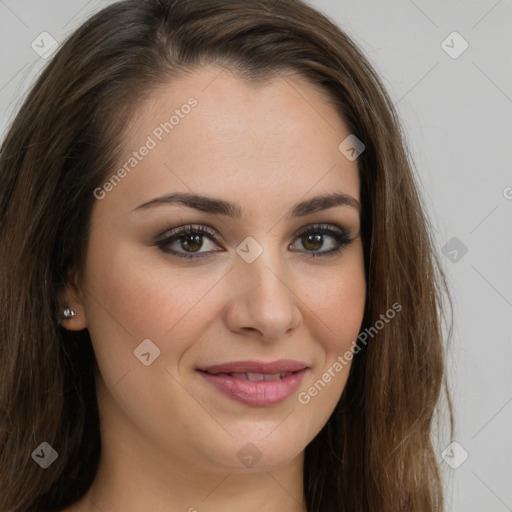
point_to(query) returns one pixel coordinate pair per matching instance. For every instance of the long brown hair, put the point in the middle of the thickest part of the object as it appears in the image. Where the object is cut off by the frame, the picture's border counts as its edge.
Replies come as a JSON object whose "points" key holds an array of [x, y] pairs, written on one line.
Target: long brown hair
{"points": [[375, 452]]}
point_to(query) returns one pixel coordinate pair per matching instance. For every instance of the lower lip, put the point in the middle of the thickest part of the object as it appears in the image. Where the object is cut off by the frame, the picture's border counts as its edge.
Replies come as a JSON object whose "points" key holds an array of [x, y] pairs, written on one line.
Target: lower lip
{"points": [[260, 393]]}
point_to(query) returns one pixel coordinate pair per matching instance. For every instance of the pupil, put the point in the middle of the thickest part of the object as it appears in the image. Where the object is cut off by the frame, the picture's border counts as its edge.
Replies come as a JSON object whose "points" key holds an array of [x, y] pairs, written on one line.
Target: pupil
{"points": [[186, 245], [317, 239]]}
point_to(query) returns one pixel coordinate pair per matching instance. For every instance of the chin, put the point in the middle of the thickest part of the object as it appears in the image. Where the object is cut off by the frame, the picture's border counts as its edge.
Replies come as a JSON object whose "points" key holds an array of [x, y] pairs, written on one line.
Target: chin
{"points": [[253, 451]]}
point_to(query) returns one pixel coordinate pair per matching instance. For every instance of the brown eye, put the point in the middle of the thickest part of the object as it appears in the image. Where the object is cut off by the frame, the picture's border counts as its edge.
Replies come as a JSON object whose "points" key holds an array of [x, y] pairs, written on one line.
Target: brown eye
{"points": [[187, 241], [313, 242], [191, 243], [316, 237]]}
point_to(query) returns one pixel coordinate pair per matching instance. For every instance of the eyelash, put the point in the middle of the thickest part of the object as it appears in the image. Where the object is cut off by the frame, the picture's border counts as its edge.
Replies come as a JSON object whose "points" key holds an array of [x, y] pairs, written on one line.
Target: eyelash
{"points": [[339, 234]]}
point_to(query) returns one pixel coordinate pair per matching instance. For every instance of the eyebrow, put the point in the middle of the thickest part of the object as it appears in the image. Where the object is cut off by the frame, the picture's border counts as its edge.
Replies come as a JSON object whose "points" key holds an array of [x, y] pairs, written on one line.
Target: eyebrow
{"points": [[221, 207]]}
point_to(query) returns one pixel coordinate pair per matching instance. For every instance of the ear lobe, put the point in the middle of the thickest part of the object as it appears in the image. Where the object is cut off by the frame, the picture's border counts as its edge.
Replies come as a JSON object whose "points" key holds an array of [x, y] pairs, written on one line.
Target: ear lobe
{"points": [[71, 298]]}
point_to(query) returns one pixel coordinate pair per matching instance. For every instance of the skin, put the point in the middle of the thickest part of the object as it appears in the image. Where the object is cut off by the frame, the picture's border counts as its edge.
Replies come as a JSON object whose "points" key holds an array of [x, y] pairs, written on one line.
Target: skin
{"points": [[169, 438]]}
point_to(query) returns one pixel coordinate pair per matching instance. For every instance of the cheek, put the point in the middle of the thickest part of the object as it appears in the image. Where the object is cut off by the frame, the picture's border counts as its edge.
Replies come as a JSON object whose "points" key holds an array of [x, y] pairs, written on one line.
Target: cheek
{"points": [[337, 304], [344, 310], [335, 316], [132, 296]]}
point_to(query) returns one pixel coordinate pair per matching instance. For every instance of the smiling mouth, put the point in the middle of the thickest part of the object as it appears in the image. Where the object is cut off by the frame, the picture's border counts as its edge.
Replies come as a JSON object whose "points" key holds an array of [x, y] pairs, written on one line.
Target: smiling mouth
{"points": [[254, 383], [254, 377], [252, 367]]}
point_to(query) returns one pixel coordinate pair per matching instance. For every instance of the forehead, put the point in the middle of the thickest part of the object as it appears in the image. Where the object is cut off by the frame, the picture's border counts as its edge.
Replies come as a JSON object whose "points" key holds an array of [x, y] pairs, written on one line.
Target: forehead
{"points": [[216, 134]]}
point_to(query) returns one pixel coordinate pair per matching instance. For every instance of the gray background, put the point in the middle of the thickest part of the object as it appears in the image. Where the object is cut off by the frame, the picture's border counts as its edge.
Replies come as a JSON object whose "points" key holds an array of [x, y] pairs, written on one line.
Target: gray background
{"points": [[456, 113]]}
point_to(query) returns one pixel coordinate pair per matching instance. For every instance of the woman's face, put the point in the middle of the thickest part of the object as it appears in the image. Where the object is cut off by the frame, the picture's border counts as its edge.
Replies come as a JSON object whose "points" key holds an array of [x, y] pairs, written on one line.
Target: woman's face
{"points": [[257, 295]]}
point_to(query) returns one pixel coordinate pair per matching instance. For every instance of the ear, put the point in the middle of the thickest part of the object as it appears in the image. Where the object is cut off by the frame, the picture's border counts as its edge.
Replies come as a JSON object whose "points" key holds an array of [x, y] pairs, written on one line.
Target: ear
{"points": [[71, 297]]}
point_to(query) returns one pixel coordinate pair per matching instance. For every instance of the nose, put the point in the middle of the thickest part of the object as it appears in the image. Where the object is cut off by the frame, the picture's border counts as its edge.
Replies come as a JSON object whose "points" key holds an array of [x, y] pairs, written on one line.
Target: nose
{"points": [[262, 299]]}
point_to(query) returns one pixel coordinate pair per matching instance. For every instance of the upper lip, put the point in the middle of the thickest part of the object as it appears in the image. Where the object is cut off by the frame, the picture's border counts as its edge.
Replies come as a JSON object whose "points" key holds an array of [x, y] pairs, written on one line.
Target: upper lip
{"points": [[279, 366]]}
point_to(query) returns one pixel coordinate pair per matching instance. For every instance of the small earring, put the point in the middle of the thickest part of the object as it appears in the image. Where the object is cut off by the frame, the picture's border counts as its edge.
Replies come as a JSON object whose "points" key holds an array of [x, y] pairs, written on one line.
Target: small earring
{"points": [[68, 314]]}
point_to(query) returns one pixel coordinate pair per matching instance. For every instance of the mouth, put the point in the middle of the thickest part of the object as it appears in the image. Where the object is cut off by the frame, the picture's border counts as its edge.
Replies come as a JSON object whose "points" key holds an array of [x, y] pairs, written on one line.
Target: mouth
{"points": [[256, 367], [256, 383], [254, 377]]}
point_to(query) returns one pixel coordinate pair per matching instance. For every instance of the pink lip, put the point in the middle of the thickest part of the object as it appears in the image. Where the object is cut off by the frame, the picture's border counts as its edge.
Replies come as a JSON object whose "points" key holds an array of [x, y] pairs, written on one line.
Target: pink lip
{"points": [[282, 365], [258, 393]]}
